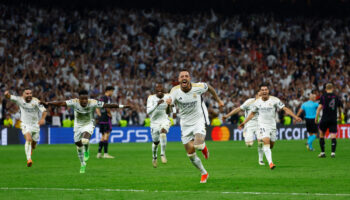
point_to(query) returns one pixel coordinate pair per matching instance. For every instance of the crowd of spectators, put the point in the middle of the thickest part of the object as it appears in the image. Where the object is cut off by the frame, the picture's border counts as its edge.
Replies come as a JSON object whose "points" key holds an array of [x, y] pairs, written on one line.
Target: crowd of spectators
{"points": [[57, 52]]}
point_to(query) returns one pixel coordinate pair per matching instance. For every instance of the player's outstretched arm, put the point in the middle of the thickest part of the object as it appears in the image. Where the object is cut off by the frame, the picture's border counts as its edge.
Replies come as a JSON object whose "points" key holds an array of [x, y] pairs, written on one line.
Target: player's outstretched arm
{"points": [[215, 95], [318, 112], [98, 112], [42, 120], [113, 105], [54, 103], [7, 94], [290, 112], [234, 111], [299, 112], [150, 108], [250, 116]]}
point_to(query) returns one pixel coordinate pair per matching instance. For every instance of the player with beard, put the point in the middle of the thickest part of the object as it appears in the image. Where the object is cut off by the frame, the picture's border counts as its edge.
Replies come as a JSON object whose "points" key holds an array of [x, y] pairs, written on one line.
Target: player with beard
{"points": [[30, 124], [188, 98], [84, 126], [158, 110], [266, 107]]}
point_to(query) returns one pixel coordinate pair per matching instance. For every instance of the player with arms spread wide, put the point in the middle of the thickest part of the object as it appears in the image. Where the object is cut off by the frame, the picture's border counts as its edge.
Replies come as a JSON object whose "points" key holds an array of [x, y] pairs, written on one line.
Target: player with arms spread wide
{"points": [[84, 126], [329, 103], [251, 128], [187, 97], [30, 124], [266, 107], [158, 111]]}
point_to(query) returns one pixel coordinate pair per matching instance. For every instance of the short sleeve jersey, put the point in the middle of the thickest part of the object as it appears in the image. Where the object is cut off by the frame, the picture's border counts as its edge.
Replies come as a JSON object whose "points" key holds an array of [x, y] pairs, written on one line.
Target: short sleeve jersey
{"points": [[330, 103], [267, 111], [189, 103], [84, 115], [29, 111], [247, 107], [157, 113], [310, 108], [104, 115]]}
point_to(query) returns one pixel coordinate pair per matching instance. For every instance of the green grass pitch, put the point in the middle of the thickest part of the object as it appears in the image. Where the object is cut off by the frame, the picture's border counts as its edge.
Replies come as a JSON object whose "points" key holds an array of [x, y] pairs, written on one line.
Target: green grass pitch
{"points": [[233, 168]]}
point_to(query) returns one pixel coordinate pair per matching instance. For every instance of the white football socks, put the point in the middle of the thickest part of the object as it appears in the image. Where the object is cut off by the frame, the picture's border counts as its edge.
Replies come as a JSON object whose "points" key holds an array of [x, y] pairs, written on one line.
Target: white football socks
{"points": [[28, 149], [162, 143], [268, 153], [80, 151], [261, 151], [197, 162], [154, 151]]}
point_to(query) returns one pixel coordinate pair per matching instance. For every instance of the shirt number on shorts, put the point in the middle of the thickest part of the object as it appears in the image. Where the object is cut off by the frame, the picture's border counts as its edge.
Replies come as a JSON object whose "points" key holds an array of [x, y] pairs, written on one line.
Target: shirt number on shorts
{"points": [[262, 130]]}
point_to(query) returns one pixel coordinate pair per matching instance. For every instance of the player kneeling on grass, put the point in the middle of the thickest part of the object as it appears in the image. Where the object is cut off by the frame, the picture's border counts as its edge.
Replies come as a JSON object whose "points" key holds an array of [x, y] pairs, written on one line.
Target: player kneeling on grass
{"points": [[251, 128], [30, 123], [84, 126], [158, 111], [188, 99], [266, 108]]}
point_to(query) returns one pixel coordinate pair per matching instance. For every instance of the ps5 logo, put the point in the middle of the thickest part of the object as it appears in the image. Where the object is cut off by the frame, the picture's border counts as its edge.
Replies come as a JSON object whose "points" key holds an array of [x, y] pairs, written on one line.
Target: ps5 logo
{"points": [[130, 135]]}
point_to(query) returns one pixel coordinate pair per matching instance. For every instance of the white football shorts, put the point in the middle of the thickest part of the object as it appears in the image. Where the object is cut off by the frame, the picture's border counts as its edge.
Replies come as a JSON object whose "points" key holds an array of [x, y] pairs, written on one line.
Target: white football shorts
{"points": [[78, 131], [156, 130], [34, 131], [188, 132], [267, 132]]}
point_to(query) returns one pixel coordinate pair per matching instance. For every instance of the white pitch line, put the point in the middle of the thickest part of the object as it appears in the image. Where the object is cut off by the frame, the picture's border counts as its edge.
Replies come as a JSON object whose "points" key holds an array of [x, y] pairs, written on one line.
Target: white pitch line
{"points": [[177, 191]]}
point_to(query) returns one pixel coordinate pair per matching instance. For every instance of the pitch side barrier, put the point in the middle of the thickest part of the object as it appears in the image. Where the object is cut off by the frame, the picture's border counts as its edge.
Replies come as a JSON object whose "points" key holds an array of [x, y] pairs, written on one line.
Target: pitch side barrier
{"points": [[57, 135]]}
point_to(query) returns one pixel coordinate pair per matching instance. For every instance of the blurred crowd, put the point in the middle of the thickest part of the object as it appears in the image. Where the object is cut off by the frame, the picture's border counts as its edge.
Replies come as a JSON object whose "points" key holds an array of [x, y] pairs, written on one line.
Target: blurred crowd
{"points": [[57, 52]]}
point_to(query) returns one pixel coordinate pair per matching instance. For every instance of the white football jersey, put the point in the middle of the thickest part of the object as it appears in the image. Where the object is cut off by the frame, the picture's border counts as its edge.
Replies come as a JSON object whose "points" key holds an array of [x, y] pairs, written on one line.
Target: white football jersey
{"points": [[247, 107], [267, 111], [84, 115], [29, 111], [191, 110], [157, 113]]}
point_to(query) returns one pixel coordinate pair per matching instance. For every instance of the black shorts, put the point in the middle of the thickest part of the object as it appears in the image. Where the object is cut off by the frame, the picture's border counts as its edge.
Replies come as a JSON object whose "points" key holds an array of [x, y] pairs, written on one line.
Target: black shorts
{"points": [[311, 126], [105, 128], [331, 125]]}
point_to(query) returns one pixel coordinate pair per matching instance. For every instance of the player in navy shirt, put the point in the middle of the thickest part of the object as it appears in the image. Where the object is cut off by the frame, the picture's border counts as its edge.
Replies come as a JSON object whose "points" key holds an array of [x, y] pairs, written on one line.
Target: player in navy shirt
{"points": [[329, 104], [105, 124]]}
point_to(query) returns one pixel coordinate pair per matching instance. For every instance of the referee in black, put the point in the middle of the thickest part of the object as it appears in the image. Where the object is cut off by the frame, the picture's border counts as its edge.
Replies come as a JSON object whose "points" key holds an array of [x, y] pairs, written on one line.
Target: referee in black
{"points": [[329, 104]]}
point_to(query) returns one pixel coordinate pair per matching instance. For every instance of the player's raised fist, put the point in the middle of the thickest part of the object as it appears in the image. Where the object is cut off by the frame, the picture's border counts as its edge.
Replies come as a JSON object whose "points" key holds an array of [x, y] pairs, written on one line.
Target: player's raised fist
{"points": [[168, 101], [7, 94], [160, 101], [224, 118]]}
